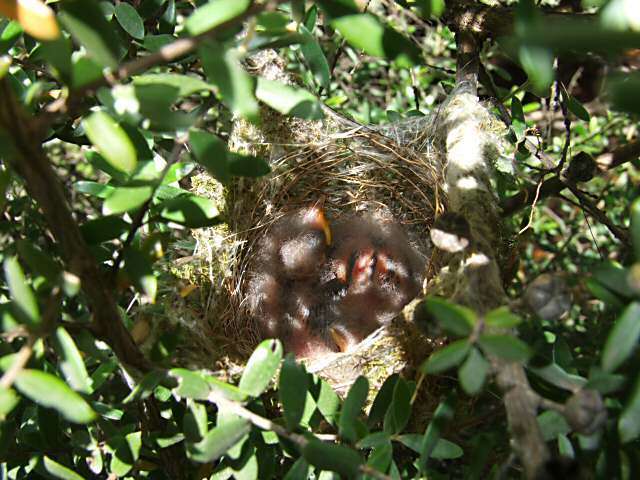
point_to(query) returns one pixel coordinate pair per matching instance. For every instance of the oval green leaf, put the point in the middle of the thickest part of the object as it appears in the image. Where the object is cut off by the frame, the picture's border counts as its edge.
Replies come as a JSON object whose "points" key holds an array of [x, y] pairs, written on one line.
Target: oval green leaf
{"points": [[49, 391], [446, 357], [129, 20], [506, 347], [473, 372], [400, 409], [629, 421], [58, 470], [71, 362], [332, 457], [352, 408], [218, 440], [111, 141], [125, 199], [623, 339], [453, 318], [293, 391], [288, 100], [261, 367], [24, 304]]}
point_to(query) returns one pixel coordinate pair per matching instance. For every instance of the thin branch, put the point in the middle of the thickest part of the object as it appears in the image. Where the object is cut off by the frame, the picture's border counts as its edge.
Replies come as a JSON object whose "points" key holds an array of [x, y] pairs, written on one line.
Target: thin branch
{"points": [[265, 424], [142, 211], [553, 186], [20, 361], [168, 53]]}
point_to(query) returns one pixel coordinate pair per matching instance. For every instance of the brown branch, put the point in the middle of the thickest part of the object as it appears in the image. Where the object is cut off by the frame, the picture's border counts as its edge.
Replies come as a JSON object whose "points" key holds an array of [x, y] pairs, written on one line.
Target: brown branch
{"points": [[45, 188], [166, 54], [478, 280], [555, 185]]}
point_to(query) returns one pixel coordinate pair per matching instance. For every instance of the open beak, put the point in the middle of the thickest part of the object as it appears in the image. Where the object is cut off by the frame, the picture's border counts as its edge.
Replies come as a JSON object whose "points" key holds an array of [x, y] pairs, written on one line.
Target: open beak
{"points": [[321, 220]]}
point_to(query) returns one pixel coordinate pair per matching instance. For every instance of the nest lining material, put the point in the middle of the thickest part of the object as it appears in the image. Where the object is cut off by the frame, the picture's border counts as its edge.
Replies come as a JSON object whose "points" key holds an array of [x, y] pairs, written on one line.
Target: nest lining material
{"points": [[396, 170]]}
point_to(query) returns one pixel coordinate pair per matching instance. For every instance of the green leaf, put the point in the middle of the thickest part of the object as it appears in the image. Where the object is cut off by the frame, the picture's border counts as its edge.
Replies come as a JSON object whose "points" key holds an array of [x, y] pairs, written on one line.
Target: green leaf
{"points": [[49, 391], [623, 339], [629, 421], [473, 372], [446, 450], [129, 20], [58, 470], [139, 269], [364, 31], [39, 262], [380, 457], [185, 84], [502, 318], [8, 401], [190, 384], [552, 424], [315, 58], [105, 228], [71, 362], [229, 391], [288, 100], [191, 211], [382, 400], [213, 14], [505, 346], [352, 408], [247, 165], [441, 417], [146, 386], [446, 358], [95, 189], [327, 400], [218, 440], [125, 199], [538, 63], [261, 367], [335, 458], [454, 318], [236, 86], [635, 227], [9, 36], [292, 390], [577, 108], [126, 454], [210, 152], [298, 471], [374, 440], [111, 141], [24, 303], [87, 25], [400, 409], [613, 276]]}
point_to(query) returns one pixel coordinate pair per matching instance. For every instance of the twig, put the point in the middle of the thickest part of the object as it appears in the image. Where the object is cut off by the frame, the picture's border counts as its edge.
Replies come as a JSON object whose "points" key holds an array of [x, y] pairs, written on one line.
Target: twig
{"points": [[166, 54], [21, 359], [142, 211], [533, 209], [555, 185], [265, 424]]}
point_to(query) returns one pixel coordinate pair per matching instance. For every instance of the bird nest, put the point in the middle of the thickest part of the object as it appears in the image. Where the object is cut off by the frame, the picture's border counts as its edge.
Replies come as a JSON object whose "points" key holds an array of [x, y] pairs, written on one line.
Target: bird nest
{"points": [[395, 169]]}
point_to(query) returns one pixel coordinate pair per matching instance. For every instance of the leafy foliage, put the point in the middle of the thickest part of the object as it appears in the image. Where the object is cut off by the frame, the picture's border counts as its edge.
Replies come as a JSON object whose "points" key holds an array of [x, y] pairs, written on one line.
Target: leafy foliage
{"points": [[107, 109]]}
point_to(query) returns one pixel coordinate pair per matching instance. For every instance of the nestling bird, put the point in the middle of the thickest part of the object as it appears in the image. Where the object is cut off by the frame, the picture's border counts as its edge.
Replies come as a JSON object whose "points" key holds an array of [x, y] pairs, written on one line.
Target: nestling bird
{"points": [[321, 289]]}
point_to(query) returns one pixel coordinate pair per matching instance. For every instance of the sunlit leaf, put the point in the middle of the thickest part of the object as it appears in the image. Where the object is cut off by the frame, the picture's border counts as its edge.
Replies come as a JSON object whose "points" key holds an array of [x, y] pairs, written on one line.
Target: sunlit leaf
{"points": [[218, 440], [71, 362], [129, 20], [111, 141], [288, 100], [623, 338], [261, 367], [24, 304], [49, 391], [446, 358]]}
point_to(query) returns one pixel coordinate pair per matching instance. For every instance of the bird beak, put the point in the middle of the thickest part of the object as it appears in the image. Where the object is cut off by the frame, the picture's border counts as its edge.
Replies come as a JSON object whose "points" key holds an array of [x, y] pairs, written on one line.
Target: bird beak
{"points": [[321, 220]]}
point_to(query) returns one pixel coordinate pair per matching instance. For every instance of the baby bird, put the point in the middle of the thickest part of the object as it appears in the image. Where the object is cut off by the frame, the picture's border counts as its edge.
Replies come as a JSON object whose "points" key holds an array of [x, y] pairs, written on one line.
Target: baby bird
{"points": [[284, 290], [380, 272], [323, 290]]}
